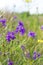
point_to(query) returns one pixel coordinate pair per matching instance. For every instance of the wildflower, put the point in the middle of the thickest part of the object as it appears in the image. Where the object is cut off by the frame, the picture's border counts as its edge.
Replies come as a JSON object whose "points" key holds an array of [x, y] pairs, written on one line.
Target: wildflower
{"points": [[34, 55], [38, 55], [10, 62], [22, 31], [10, 36], [27, 55], [17, 30], [21, 28], [22, 47], [21, 23], [42, 27], [31, 34], [15, 17], [3, 21]]}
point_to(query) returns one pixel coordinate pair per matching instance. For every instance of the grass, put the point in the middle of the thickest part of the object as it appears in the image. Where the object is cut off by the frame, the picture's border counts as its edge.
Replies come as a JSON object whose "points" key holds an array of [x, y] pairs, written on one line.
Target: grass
{"points": [[16, 54]]}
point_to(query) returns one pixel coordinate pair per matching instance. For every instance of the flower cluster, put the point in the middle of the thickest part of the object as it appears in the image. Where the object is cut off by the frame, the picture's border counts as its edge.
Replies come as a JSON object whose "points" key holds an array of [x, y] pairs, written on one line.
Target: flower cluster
{"points": [[3, 21], [20, 28], [10, 36], [31, 34], [35, 55]]}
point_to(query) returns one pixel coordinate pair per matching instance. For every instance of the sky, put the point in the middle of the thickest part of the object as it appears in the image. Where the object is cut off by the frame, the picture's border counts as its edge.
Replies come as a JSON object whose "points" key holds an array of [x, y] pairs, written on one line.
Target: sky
{"points": [[21, 5]]}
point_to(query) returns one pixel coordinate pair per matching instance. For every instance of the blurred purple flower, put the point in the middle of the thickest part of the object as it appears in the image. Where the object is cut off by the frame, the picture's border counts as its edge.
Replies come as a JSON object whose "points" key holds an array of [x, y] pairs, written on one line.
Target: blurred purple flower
{"points": [[42, 27], [34, 55], [3, 21], [10, 36], [10, 62], [20, 28], [22, 47], [17, 30], [38, 55], [27, 55], [15, 17], [32, 34], [21, 23]]}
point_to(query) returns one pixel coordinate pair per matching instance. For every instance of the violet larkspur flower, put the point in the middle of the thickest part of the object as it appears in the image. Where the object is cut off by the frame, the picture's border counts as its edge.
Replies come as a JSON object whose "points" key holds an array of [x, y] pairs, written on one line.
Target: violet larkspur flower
{"points": [[20, 28], [36, 55], [31, 34], [21, 23], [22, 31], [10, 62], [10, 36], [3, 21]]}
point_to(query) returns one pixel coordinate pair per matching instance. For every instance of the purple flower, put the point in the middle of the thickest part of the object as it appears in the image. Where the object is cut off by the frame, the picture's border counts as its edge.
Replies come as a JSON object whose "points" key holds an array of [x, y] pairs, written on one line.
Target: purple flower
{"points": [[31, 34], [3, 21], [22, 31], [10, 62], [42, 27], [21, 28], [17, 30], [22, 47], [27, 55], [13, 37], [10, 36], [21, 23], [38, 55], [15, 17], [34, 55]]}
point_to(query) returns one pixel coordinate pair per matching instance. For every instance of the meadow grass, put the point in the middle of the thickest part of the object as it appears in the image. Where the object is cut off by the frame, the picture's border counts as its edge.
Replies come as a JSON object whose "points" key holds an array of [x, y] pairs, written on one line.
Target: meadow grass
{"points": [[14, 50]]}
